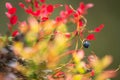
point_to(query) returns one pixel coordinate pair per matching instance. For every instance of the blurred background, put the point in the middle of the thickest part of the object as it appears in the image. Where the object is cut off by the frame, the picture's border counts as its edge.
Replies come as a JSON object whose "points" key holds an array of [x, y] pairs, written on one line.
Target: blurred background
{"points": [[104, 11]]}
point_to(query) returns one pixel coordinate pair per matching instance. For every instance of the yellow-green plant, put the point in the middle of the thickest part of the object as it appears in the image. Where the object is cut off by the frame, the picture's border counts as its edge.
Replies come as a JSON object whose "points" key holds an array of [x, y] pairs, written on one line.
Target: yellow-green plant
{"points": [[39, 49]]}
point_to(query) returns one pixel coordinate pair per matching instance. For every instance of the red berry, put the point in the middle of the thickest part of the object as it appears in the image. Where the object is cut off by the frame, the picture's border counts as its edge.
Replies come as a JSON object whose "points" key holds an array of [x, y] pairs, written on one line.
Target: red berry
{"points": [[44, 18]]}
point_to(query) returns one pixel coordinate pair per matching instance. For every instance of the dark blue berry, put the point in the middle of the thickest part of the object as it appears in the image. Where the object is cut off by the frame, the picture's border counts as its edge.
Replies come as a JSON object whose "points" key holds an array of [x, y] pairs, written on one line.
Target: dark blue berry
{"points": [[86, 44]]}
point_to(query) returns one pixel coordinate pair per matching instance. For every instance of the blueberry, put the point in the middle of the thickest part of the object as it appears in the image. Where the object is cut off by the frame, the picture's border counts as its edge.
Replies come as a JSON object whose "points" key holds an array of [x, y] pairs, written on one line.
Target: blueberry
{"points": [[86, 44]]}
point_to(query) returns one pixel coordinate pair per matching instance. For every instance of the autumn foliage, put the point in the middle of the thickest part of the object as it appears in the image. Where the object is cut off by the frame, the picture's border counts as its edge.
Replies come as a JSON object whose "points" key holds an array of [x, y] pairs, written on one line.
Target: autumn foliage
{"points": [[40, 48]]}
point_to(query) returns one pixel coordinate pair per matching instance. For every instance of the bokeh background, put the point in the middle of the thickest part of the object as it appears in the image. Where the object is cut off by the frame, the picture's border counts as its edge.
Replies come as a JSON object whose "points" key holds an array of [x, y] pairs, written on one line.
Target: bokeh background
{"points": [[104, 11]]}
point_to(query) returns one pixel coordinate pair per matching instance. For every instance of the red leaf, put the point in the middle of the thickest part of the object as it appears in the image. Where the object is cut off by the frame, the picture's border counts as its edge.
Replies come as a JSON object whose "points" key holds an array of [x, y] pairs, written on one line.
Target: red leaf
{"points": [[44, 18], [59, 74], [21, 5], [8, 5], [15, 33], [81, 23], [99, 28], [90, 37], [89, 5], [92, 73], [75, 15], [69, 11], [29, 11], [58, 19], [50, 8], [36, 4], [8, 14], [12, 10], [36, 13], [42, 1], [13, 20], [82, 6]]}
